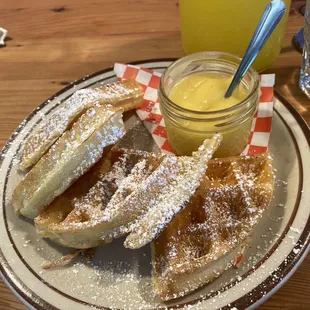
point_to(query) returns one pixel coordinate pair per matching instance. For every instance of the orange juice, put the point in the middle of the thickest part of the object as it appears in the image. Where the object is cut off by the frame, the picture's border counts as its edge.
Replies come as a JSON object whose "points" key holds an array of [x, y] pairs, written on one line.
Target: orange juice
{"points": [[227, 26]]}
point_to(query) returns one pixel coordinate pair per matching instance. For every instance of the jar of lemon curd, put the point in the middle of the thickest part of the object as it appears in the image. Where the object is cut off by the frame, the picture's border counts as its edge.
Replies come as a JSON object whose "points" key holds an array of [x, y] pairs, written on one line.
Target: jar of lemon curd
{"points": [[192, 102]]}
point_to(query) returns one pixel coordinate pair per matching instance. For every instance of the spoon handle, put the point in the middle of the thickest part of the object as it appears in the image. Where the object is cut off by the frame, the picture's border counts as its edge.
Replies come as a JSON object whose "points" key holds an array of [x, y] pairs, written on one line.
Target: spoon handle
{"points": [[272, 15]]}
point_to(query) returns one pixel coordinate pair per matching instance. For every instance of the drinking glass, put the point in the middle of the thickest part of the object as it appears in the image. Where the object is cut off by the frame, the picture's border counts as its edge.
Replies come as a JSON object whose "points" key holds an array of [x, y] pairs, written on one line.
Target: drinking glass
{"points": [[304, 81], [228, 26]]}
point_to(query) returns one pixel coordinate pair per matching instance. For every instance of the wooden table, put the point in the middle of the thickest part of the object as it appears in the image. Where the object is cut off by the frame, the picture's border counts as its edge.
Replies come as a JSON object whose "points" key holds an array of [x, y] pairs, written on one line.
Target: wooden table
{"points": [[54, 42]]}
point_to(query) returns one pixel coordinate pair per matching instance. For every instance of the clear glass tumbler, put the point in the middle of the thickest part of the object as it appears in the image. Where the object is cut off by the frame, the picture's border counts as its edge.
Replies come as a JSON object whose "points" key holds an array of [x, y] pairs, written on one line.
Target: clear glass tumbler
{"points": [[227, 26], [304, 81]]}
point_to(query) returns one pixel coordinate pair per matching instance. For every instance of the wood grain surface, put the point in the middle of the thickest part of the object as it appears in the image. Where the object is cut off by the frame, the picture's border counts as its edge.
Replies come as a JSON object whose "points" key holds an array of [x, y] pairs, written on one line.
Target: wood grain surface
{"points": [[52, 43]]}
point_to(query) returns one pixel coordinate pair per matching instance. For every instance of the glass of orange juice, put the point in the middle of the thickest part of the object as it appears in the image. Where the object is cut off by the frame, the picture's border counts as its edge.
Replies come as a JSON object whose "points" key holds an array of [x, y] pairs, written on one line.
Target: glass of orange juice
{"points": [[227, 26]]}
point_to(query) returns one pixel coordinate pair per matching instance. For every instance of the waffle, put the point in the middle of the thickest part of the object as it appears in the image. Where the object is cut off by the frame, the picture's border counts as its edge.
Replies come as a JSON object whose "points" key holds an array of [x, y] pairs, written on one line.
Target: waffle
{"points": [[164, 194], [204, 239], [69, 158], [104, 218], [75, 219], [126, 94]]}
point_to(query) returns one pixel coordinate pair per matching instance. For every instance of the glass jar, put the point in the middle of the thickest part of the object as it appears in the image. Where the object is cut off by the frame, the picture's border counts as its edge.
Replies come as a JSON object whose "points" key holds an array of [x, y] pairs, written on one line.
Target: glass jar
{"points": [[228, 26], [187, 128]]}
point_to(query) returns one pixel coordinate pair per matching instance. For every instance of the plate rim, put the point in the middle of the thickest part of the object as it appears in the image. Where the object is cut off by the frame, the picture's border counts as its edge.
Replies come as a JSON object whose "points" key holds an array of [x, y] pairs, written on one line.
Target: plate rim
{"points": [[243, 301]]}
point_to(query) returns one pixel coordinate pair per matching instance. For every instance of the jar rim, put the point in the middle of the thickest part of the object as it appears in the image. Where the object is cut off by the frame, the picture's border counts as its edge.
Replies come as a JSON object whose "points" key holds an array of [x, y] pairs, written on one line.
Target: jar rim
{"points": [[243, 102]]}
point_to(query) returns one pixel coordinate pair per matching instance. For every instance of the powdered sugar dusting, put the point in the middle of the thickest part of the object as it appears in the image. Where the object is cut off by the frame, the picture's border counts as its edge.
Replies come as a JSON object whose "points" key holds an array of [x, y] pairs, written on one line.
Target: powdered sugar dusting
{"points": [[83, 223], [179, 177], [85, 209], [69, 158], [217, 219], [57, 122], [53, 126]]}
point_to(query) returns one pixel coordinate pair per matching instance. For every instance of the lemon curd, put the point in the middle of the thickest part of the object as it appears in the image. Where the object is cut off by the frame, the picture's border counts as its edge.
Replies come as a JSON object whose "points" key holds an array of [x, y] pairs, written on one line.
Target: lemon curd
{"points": [[194, 108], [205, 92]]}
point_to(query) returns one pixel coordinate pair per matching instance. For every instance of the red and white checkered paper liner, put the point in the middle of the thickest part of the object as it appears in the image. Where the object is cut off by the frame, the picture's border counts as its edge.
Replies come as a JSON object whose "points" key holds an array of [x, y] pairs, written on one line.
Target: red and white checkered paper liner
{"points": [[150, 114]]}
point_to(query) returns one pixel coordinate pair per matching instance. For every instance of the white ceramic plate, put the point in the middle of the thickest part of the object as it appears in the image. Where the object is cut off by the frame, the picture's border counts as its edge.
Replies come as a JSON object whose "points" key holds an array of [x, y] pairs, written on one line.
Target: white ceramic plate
{"points": [[119, 278]]}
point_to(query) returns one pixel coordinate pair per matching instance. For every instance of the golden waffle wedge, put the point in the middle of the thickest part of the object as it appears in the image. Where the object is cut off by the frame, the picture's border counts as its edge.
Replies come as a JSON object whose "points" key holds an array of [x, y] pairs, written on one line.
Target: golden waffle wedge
{"points": [[204, 239], [69, 158], [74, 219], [60, 208], [125, 94], [163, 194], [114, 212]]}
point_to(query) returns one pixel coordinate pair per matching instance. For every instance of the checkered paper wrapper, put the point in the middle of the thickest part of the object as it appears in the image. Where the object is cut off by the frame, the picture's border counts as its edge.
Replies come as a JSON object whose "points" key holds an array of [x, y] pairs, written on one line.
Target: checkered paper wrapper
{"points": [[150, 114]]}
